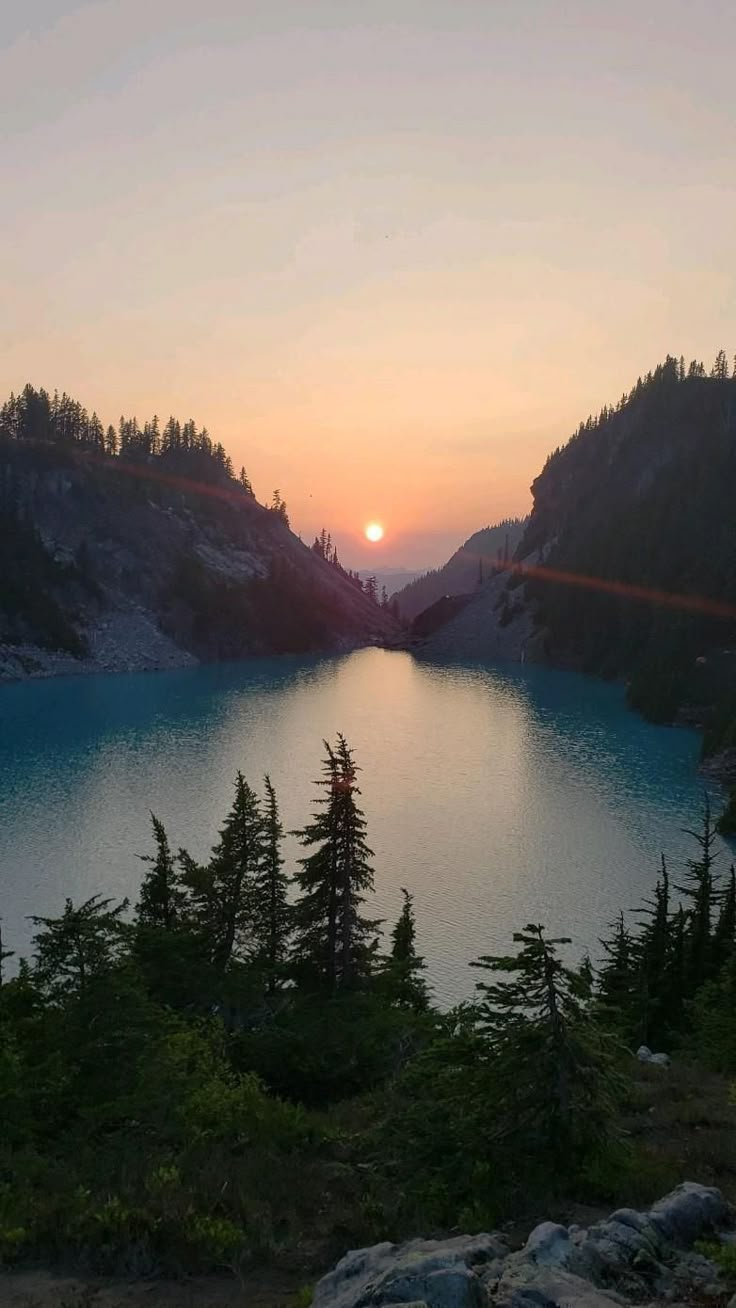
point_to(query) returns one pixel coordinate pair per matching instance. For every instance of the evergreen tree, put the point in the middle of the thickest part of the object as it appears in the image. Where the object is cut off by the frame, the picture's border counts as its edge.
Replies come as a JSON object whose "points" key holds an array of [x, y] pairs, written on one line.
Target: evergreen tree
{"points": [[720, 367], [78, 947], [278, 506], [724, 936], [617, 978], [653, 951], [222, 893], [4, 953], [162, 896], [556, 1066], [699, 891], [332, 938], [244, 480], [404, 966], [370, 588], [711, 1014], [272, 922]]}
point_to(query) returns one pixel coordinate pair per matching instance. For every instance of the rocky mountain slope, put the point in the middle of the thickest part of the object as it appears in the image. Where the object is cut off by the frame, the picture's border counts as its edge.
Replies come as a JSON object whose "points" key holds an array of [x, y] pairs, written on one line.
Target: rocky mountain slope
{"points": [[631, 1258], [627, 565], [115, 564], [470, 565]]}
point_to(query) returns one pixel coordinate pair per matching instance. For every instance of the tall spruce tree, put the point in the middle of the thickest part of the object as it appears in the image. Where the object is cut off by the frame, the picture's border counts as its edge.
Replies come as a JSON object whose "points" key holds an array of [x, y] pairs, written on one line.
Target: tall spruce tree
{"points": [[221, 893], [699, 891], [272, 918], [332, 940], [162, 896], [617, 978], [652, 953]]}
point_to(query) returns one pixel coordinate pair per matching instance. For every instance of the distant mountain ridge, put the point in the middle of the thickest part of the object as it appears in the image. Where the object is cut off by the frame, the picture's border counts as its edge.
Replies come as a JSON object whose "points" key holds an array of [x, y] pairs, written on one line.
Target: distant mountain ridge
{"points": [[153, 554], [469, 567]]}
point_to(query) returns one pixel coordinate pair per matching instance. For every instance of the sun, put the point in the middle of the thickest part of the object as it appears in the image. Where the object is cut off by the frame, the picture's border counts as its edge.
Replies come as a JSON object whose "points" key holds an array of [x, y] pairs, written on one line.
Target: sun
{"points": [[374, 532]]}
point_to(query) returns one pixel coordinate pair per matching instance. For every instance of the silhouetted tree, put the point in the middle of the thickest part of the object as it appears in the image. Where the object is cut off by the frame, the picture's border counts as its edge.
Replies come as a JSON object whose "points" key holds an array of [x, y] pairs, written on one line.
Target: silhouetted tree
{"points": [[272, 919], [332, 939], [162, 896]]}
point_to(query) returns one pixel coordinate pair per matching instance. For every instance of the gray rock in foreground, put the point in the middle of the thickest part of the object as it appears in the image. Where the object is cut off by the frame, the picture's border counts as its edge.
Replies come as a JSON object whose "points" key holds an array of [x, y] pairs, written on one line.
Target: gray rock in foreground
{"points": [[630, 1257]]}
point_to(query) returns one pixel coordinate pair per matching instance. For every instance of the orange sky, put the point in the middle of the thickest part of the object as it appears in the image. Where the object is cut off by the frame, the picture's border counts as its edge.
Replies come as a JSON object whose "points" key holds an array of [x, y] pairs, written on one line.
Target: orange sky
{"points": [[389, 251]]}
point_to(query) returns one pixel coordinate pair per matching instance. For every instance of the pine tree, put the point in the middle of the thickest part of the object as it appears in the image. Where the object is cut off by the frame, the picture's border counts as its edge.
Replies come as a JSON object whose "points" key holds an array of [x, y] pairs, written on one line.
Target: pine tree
{"points": [[617, 978], [272, 919], [555, 1065], [4, 953], [724, 936], [80, 946], [404, 966], [162, 896], [332, 938], [278, 506], [720, 367], [371, 589], [652, 950], [244, 480], [222, 893], [700, 892]]}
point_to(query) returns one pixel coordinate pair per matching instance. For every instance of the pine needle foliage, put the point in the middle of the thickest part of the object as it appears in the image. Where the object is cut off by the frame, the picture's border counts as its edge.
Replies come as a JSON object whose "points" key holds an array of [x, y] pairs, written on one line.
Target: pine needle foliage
{"points": [[333, 941], [272, 917], [559, 1083], [83, 944], [162, 897]]}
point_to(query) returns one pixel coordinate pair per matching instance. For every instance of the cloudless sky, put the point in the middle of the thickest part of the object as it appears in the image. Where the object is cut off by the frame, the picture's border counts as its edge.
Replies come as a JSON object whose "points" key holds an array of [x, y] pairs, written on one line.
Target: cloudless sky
{"points": [[390, 252]]}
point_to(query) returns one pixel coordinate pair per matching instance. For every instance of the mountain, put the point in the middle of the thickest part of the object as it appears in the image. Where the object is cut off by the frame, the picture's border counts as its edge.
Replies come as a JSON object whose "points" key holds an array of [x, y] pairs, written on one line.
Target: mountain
{"points": [[134, 549], [467, 568], [627, 565]]}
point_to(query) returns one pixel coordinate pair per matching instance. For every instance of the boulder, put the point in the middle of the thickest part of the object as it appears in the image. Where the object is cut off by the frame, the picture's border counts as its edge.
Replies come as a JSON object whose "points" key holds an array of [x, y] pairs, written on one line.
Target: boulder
{"points": [[438, 1273], [548, 1245], [688, 1212], [553, 1287], [645, 1055]]}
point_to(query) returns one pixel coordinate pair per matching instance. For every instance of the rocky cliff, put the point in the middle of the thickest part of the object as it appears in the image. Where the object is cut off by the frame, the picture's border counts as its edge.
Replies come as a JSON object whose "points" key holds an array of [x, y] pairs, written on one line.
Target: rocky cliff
{"points": [[114, 565]]}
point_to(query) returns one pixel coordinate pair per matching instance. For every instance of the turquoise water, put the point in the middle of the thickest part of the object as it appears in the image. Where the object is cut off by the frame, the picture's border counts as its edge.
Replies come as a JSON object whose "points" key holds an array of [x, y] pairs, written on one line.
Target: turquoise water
{"points": [[497, 794]]}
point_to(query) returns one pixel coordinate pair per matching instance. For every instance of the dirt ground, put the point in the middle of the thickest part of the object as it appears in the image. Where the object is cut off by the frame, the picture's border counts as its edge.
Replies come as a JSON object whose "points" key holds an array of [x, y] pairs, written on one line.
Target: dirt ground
{"points": [[266, 1288]]}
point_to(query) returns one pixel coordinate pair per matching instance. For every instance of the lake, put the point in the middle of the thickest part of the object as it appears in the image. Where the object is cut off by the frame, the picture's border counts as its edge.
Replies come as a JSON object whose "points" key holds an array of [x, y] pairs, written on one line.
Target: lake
{"points": [[497, 794]]}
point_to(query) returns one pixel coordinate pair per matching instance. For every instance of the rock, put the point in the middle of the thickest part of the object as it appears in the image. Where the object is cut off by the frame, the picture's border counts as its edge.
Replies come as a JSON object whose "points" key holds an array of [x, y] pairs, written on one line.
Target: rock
{"points": [[438, 1273], [631, 1256], [548, 1245], [645, 1055], [688, 1212], [556, 1287]]}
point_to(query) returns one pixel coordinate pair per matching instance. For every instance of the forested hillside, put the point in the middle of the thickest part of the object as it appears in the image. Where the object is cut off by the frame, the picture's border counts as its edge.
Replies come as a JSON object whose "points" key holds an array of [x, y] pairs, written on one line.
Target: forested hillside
{"points": [[138, 546], [640, 503], [470, 565]]}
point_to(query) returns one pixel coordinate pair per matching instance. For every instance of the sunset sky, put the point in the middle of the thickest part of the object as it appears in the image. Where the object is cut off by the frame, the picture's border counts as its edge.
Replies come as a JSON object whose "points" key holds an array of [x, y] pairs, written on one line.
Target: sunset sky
{"points": [[390, 252]]}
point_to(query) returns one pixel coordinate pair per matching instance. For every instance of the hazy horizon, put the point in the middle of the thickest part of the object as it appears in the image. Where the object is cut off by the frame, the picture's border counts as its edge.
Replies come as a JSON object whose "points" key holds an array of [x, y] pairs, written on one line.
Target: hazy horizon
{"points": [[389, 256]]}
